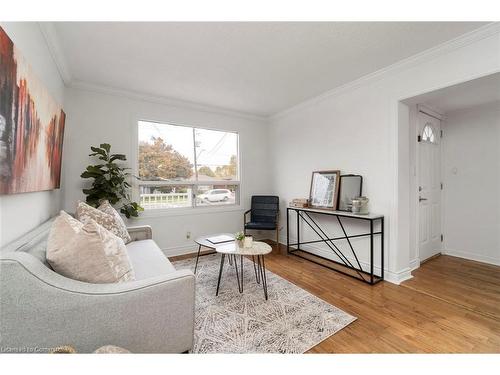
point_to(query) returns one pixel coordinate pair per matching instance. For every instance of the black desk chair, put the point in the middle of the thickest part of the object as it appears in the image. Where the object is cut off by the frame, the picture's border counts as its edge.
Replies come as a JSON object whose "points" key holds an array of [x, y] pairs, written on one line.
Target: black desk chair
{"points": [[264, 214]]}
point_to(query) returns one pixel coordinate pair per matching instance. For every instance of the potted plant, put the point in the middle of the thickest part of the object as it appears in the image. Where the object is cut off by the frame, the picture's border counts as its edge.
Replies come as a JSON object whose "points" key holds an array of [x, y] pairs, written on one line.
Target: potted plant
{"points": [[109, 181], [239, 238]]}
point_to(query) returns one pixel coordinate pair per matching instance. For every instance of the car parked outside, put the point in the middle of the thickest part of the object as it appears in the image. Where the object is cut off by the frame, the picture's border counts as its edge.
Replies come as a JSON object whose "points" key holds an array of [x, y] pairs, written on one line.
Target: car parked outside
{"points": [[216, 195]]}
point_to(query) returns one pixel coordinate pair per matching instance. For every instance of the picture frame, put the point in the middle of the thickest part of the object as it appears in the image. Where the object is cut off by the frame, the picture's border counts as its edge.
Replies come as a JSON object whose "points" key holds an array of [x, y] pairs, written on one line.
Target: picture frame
{"points": [[31, 126], [350, 186], [324, 190]]}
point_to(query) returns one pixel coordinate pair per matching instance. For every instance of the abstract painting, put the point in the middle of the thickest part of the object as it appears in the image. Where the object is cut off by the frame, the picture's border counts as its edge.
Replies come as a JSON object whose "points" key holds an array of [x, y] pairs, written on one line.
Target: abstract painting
{"points": [[31, 127]]}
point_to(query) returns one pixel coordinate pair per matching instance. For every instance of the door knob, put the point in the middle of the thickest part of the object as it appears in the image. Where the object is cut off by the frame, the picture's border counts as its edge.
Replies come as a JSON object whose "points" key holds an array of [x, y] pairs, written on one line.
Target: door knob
{"points": [[420, 199]]}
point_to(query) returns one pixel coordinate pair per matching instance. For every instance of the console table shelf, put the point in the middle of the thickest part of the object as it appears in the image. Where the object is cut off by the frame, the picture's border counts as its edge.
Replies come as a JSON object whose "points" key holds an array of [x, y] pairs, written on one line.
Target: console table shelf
{"points": [[355, 270]]}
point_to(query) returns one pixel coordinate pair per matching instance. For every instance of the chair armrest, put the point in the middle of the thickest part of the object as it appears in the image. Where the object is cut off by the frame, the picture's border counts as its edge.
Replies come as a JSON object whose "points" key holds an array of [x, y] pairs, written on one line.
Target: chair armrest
{"points": [[142, 232], [245, 216]]}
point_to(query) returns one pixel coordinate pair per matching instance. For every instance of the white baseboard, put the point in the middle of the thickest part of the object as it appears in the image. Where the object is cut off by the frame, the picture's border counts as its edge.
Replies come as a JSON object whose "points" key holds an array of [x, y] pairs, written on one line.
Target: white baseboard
{"points": [[414, 264], [398, 277], [392, 277], [472, 256], [179, 250], [193, 248]]}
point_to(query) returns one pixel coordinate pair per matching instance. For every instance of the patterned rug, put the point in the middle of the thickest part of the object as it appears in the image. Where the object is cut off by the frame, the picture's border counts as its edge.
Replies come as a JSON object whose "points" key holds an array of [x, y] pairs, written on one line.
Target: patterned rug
{"points": [[291, 321]]}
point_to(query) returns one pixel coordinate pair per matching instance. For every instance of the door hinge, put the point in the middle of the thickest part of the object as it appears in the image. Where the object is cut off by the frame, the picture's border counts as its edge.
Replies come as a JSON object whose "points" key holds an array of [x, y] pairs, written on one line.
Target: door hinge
{"points": [[419, 138], [441, 134], [441, 186], [442, 238]]}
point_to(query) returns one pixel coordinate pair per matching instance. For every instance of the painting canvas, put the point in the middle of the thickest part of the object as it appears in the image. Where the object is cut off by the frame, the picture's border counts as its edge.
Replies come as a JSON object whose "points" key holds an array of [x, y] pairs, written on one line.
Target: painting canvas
{"points": [[31, 127]]}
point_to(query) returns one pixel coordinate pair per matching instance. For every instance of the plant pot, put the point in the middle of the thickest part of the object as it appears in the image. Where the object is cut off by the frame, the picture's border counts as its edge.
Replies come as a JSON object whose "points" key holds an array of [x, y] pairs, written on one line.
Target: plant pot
{"points": [[239, 243]]}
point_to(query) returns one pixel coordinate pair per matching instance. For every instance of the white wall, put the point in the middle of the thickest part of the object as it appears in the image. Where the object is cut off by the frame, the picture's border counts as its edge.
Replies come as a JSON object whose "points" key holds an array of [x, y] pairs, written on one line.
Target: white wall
{"points": [[96, 117], [23, 212], [355, 129], [471, 175]]}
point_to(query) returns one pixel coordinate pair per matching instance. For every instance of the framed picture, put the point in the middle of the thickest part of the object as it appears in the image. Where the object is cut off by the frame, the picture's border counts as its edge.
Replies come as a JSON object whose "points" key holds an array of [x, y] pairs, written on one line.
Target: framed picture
{"points": [[31, 126], [351, 186], [324, 189]]}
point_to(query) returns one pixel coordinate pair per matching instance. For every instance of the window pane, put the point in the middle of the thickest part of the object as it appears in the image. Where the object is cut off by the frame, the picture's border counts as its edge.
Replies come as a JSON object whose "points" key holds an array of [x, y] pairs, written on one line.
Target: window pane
{"points": [[213, 195], [166, 152], [166, 196], [428, 133], [216, 155]]}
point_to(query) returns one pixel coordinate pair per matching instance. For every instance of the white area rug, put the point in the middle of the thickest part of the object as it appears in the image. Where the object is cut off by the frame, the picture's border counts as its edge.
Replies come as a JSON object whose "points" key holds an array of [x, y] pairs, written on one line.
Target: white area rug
{"points": [[291, 321]]}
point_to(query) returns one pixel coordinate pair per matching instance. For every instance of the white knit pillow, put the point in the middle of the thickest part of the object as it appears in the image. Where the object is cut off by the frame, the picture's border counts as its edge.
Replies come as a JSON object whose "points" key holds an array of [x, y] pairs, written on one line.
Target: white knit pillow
{"points": [[84, 212], [106, 207], [88, 253]]}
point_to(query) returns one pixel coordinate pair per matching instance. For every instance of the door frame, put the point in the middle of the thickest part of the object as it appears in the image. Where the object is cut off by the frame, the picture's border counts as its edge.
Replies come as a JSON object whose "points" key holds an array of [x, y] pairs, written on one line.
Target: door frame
{"points": [[416, 193], [400, 263]]}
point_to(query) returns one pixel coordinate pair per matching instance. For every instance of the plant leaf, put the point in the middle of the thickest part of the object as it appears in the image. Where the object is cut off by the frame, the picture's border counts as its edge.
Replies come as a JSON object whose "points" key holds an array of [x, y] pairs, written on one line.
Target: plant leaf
{"points": [[105, 146], [117, 157]]}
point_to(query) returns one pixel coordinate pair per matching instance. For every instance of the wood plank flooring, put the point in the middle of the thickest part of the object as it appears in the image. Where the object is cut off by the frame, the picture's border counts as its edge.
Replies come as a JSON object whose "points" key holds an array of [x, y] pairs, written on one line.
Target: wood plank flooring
{"points": [[421, 317], [471, 285]]}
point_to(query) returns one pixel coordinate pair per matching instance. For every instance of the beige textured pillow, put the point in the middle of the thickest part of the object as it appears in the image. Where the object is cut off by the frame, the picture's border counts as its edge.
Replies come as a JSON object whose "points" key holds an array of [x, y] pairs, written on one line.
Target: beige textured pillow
{"points": [[62, 230], [106, 207], [90, 253], [84, 213]]}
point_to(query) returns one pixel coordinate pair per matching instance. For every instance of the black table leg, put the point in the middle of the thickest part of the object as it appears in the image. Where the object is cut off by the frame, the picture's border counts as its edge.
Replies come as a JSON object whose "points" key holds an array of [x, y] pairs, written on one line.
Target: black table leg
{"points": [[262, 270], [241, 262], [240, 283], [257, 274], [197, 257], [220, 273]]}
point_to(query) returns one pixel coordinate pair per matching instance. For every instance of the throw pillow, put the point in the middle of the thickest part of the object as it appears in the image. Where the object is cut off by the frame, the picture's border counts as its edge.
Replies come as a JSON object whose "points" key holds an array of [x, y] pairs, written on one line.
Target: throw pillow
{"points": [[62, 230], [84, 213], [119, 223], [91, 254]]}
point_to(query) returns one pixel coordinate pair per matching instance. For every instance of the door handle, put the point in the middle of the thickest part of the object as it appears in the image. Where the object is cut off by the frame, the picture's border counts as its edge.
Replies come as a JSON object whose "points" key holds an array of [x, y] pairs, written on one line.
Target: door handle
{"points": [[420, 199]]}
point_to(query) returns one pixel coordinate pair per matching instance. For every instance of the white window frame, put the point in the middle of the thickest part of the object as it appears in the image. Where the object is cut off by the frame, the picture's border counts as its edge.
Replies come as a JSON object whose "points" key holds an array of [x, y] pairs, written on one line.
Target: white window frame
{"points": [[175, 211]]}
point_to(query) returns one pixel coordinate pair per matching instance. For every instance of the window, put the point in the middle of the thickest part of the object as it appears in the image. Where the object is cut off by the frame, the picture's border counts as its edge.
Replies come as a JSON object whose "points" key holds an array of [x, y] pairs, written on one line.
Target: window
{"points": [[182, 166], [428, 133]]}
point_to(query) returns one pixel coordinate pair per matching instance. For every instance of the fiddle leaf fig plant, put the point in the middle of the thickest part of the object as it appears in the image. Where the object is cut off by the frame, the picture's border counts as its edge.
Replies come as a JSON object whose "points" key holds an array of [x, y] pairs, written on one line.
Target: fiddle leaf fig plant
{"points": [[109, 181]]}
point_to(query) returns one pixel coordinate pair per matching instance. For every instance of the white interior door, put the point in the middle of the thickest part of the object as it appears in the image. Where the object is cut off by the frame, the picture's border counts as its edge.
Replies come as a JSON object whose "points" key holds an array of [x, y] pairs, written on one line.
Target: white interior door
{"points": [[429, 186]]}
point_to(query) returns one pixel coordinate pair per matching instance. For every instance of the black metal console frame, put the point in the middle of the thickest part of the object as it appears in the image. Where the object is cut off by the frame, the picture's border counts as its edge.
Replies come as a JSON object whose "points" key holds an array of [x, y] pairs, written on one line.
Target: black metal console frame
{"points": [[360, 274]]}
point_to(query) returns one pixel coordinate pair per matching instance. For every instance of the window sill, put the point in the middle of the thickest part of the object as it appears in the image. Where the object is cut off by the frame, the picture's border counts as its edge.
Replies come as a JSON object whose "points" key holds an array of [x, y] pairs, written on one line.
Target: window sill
{"points": [[171, 212]]}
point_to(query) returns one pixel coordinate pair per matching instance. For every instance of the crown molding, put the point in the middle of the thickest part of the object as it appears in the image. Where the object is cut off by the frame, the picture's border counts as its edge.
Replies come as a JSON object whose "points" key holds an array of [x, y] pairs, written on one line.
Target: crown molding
{"points": [[157, 99], [427, 55], [52, 40], [50, 34], [51, 37]]}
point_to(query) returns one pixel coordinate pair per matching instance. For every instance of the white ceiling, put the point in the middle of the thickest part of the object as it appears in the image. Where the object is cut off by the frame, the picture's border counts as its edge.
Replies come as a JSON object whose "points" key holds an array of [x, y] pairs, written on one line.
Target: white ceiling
{"points": [[464, 95], [257, 68]]}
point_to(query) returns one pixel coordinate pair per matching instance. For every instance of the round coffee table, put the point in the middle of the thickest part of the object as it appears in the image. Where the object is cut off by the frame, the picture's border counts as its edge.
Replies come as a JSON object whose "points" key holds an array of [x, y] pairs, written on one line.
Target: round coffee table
{"points": [[204, 242], [258, 249]]}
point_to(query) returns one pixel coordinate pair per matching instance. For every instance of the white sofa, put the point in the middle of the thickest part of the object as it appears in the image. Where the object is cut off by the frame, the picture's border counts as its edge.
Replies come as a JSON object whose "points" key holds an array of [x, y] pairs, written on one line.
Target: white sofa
{"points": [[40, 309]]}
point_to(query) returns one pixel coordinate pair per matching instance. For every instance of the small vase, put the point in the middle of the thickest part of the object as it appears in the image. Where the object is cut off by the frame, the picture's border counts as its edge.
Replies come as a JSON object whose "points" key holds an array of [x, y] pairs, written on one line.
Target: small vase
{"points": [[239, 243], [248, 242]]}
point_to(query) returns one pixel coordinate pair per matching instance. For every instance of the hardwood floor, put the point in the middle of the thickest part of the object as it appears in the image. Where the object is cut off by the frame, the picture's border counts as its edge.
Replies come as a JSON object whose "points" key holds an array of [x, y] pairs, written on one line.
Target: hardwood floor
{"points": [[472, 285], [423, 316]]}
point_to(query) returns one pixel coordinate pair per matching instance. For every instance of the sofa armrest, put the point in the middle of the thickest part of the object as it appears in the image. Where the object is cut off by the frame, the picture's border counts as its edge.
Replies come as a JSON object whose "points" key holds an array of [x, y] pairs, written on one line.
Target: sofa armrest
{"points": [[154, 315], [142, 232]]}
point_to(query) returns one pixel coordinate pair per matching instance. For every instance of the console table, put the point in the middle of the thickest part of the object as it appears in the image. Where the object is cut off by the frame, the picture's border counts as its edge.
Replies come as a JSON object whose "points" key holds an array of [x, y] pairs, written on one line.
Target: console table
{"points": [[307, 215]]}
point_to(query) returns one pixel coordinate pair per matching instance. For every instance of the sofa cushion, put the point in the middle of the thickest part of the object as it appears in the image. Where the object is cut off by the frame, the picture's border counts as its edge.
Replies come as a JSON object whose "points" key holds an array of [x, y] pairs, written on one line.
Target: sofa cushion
{"points": [[120, 226], [148, 260], [260, 225], [84, 212], [62, 231], [89, 253]]}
